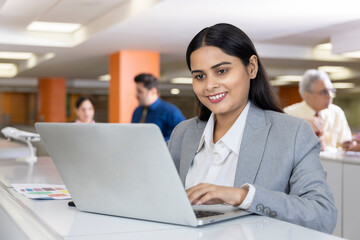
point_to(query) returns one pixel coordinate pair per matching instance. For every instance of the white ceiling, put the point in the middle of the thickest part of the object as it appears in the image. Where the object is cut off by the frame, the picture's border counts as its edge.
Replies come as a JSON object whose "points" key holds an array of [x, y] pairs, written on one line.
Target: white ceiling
{"points": [[284, 32]]}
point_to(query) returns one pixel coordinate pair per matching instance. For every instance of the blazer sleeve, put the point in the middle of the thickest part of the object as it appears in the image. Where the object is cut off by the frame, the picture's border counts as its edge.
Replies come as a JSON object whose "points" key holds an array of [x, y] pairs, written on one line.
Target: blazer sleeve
{"points": [[309, 202], [174, 145], [176, 142]]}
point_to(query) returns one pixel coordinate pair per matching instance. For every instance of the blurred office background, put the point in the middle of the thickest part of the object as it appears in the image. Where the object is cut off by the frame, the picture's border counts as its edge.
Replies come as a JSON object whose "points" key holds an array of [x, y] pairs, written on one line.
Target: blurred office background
{"points": [[96, 53]]}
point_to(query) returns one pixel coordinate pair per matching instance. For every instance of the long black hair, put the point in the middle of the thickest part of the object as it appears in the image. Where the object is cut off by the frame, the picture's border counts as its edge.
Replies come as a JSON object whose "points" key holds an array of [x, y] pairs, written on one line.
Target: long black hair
{"points": [[233, 41]]}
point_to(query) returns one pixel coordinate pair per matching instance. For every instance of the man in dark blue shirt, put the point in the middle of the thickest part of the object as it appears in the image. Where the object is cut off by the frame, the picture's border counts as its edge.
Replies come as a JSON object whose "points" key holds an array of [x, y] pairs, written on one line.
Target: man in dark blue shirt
{"points": [[152, 109]]}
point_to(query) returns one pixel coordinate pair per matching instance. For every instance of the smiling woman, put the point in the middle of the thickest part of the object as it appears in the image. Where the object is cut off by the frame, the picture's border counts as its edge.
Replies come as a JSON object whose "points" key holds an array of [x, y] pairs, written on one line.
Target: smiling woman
{"points": [[85, 110], [241, 149]]}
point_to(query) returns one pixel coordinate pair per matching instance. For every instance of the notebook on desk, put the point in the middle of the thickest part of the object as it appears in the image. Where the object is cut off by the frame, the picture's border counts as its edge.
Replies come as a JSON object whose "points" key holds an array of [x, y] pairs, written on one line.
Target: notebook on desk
{"points": [[124, 170]]}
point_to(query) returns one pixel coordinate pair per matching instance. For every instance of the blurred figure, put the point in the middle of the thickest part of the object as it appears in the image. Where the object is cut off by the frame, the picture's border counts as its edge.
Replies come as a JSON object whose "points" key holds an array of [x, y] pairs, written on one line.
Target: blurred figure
{"points": [[84, 110], [353, 145], [152, 109], [327, 120]]}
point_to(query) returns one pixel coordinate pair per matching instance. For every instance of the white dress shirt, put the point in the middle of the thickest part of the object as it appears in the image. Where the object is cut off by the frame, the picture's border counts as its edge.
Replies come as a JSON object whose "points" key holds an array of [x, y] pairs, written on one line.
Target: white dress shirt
{"points": [[216, 163], [336, 129]]}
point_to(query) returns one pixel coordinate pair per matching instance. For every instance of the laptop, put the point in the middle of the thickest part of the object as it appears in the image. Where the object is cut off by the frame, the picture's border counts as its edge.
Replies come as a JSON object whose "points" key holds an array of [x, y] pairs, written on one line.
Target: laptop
{"points": [[124, 170]]}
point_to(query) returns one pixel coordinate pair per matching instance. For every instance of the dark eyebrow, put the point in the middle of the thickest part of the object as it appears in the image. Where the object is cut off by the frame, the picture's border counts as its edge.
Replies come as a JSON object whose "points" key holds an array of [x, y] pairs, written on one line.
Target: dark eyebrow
{"points": [[196, 71], [215, 66], [219, 64]]}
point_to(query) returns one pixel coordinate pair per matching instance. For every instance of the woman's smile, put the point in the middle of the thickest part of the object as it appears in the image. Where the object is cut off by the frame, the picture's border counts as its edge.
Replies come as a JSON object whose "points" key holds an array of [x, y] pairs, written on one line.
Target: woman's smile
{"points": [[217, 97]]}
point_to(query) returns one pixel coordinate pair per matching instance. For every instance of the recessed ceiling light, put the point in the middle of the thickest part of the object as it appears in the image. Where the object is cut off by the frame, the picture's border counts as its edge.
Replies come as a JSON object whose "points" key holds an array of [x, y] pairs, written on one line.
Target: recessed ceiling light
{"points": [[343, 85], [275, 83], [355, 54], [324, 46], [53, 27], [346, 73], [105, 77], [289, 78], [175, 91], [16, 55], [332, 69], [181, 80], [337, 72], [8, 70]]}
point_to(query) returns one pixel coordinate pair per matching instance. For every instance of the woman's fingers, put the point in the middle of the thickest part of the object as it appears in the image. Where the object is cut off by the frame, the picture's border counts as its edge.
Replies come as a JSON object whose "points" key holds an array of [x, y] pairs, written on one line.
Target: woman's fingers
{"points": [[210, 198], [197, 192], [205, 193]]}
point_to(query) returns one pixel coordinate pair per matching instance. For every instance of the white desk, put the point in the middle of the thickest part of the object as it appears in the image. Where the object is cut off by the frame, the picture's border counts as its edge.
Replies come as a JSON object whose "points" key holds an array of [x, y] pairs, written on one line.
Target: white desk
{"points": [[24, 218], [13, 149], [344, 178]]}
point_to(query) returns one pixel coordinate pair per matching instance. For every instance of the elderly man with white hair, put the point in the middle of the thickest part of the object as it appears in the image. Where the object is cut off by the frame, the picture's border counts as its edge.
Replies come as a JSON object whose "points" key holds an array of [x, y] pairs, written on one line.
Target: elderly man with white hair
{"points": [[327, 120]]}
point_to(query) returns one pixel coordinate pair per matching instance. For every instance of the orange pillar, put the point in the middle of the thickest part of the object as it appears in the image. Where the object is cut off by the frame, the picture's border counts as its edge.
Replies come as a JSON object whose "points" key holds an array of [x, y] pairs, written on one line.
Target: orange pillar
{"points": [[15, 108], [289, 95], [124, 66], [52, 99], [5, 105]]}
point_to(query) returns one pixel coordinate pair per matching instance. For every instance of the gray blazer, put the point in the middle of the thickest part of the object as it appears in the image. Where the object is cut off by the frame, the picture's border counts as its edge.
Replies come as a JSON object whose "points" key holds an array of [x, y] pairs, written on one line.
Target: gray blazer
{"points": [[279, 155]]}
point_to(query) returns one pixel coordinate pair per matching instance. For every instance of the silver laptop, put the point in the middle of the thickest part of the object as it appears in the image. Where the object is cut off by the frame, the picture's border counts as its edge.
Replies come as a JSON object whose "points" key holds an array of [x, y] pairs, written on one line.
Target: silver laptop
{"points": [[124, 170]]}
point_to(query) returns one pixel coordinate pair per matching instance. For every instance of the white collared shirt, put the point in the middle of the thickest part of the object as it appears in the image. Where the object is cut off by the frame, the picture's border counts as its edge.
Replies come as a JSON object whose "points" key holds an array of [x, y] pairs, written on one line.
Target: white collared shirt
{"points": [[336, 129], [216, 163]]}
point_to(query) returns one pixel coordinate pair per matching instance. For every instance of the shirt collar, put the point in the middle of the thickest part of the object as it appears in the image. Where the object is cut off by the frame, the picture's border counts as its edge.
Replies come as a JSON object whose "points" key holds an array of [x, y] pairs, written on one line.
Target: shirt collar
{"points": [[232, 138], [208, 128], [155, 104], [309, 109]]}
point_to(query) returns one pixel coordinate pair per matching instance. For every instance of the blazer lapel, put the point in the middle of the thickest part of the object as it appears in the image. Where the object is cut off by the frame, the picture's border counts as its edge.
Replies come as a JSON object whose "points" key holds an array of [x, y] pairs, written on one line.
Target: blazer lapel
{"points": [[252, 146], [193, 136]]}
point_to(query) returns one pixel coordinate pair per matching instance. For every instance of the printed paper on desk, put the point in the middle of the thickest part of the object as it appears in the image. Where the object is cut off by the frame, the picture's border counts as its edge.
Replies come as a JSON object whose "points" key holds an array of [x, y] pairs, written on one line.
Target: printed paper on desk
{"points": [[351, 153], [42, 191]]}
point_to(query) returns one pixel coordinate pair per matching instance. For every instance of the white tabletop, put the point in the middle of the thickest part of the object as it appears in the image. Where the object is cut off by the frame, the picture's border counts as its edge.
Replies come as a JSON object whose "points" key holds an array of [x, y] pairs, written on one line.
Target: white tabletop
{"points": [[53, 219], [342, 156], [13, 149]]}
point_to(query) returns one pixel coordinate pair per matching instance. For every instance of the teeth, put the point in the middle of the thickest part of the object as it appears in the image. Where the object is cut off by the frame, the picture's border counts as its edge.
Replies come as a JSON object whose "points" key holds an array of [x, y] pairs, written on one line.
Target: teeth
{"points": [[217, 96]]}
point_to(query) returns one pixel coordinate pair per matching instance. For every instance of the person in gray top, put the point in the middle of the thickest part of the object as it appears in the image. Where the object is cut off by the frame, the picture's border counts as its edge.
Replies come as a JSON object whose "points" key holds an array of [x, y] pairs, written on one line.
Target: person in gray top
{"points": [[242, 150]]}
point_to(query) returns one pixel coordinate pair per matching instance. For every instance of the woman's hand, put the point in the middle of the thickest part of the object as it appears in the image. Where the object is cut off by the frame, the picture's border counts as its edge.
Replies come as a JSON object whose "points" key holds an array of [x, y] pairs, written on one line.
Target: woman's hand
{"points": [[206, 193]]}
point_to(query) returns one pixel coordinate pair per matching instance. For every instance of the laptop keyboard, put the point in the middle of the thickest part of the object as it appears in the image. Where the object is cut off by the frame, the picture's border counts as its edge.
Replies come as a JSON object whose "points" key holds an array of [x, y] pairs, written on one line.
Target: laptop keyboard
{"points": [[202, 214]]}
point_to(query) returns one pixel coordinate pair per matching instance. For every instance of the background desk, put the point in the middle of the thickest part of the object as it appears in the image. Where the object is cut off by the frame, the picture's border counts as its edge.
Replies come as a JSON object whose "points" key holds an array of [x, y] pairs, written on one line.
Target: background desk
{"points": [[23, 218], [13, 149], [344, 179]]}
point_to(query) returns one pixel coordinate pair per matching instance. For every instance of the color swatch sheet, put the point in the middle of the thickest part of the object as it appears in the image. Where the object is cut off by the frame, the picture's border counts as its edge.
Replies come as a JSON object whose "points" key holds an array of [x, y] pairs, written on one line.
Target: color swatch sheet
{"points": [[42, 191]]}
